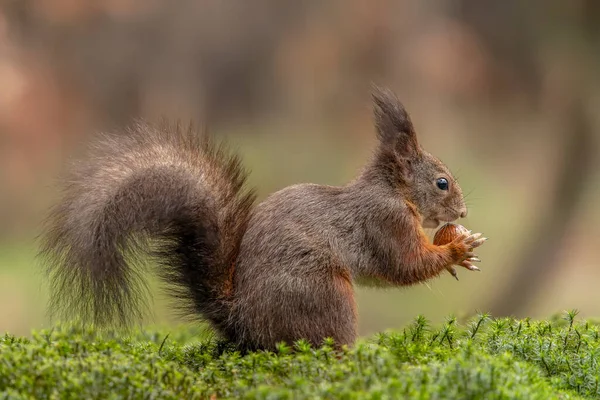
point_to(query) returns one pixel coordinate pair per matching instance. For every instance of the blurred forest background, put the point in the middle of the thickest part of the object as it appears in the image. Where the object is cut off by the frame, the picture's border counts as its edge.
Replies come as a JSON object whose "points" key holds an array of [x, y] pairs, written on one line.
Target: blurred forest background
{"points": [[505, 92]]}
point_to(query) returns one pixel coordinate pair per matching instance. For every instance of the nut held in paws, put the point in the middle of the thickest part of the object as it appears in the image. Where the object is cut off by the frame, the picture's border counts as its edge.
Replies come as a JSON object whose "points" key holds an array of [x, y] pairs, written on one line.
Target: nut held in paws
{"points": [[448, 233]]}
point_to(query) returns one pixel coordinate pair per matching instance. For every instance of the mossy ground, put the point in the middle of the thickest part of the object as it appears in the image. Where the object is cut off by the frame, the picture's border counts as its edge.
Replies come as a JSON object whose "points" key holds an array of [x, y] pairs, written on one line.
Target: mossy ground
{"points": [[482, 359]]}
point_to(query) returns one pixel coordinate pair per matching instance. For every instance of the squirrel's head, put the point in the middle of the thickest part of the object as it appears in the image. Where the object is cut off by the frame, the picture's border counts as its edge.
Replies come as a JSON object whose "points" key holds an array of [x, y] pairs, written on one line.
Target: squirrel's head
{"points": [[422, 178]]}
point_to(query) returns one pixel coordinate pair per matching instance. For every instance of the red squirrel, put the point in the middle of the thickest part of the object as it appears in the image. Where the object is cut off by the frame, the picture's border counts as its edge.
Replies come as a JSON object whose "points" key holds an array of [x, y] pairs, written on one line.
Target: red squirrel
{"points": [[278, 271]]}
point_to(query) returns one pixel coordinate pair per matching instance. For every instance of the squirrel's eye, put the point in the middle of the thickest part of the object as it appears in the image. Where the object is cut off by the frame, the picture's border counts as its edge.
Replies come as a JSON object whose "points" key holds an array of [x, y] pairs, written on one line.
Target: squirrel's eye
{"points": [[442, 183]]}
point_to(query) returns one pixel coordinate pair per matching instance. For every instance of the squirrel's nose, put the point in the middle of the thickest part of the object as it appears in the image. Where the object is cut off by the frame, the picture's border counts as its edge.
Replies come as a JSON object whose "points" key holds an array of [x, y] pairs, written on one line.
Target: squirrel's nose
{"points": [[463, 213]]}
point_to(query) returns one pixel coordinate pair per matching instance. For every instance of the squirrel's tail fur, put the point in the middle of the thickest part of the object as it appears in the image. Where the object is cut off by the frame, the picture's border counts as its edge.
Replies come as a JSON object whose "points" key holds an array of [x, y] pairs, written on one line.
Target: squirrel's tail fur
{"points": [[162, 191]]}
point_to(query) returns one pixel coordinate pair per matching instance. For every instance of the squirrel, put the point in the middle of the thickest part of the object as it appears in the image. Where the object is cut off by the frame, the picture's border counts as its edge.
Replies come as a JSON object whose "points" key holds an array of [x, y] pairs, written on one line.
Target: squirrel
{"points": [[279, 271]]}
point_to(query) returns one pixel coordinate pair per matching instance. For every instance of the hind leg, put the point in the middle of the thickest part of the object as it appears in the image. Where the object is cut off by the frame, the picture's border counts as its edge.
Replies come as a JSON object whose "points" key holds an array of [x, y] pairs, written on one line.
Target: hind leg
{"points": [[328, 311], [310, 308]]}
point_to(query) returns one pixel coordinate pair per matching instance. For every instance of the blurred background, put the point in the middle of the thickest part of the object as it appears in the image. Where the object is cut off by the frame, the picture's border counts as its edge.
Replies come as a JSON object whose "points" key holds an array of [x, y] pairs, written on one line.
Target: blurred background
{"points": [[506, 93]]}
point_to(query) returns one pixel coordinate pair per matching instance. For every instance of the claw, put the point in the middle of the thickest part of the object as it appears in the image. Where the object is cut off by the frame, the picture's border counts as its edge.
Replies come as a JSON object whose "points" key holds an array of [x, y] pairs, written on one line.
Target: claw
{"points": [[478, 242], [453, 272], [474, 237], [473, 259], [469, 266]]}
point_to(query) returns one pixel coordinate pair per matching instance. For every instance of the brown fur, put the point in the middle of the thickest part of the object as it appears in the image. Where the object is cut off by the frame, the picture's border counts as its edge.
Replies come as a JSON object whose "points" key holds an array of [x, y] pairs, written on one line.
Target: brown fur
{"points": [[281, 271]]}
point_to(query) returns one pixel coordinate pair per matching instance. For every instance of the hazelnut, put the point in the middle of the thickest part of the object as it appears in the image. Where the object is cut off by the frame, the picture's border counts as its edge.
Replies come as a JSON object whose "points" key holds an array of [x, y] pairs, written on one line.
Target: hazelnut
{"points": [[447, 233]]}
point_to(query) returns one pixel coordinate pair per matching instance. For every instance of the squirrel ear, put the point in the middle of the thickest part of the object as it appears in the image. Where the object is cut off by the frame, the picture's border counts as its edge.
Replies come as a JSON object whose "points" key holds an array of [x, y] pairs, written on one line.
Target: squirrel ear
{"points": [[394, 127]]}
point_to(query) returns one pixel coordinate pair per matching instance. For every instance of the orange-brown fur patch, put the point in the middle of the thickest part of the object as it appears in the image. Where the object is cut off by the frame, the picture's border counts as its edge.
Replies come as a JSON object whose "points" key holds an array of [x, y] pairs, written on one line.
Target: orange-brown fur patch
{"points": [[343, 284]]}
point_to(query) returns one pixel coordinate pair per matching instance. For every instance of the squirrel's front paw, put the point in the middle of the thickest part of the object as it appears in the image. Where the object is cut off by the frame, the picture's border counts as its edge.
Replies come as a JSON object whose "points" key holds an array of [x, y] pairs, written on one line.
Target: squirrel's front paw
{"points": [[462, 249], [461, 244]]}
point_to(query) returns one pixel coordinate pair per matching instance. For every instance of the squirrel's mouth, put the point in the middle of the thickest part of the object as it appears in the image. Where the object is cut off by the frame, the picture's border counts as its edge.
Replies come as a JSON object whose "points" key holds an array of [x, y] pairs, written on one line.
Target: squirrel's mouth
{"points": [[435, 222]]}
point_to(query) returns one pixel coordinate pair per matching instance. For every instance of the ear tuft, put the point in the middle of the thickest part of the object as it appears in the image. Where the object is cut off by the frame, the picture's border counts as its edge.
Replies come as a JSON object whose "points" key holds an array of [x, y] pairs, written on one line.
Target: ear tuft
{"points": [[392, 121]]}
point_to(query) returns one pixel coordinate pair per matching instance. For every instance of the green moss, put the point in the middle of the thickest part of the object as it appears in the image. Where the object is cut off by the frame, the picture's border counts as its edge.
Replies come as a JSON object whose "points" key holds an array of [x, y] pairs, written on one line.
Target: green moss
{"points": [[485, 359]]}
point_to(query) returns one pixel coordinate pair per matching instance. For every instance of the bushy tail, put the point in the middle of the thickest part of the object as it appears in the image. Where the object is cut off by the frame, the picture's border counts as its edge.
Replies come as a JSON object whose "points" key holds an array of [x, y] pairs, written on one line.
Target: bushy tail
{"points": [[158, 190]]}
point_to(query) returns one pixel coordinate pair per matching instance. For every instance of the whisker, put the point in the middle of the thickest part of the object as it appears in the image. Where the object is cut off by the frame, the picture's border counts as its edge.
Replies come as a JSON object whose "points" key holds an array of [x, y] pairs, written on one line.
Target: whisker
{"points": [[456, 174], [469, 193]]}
